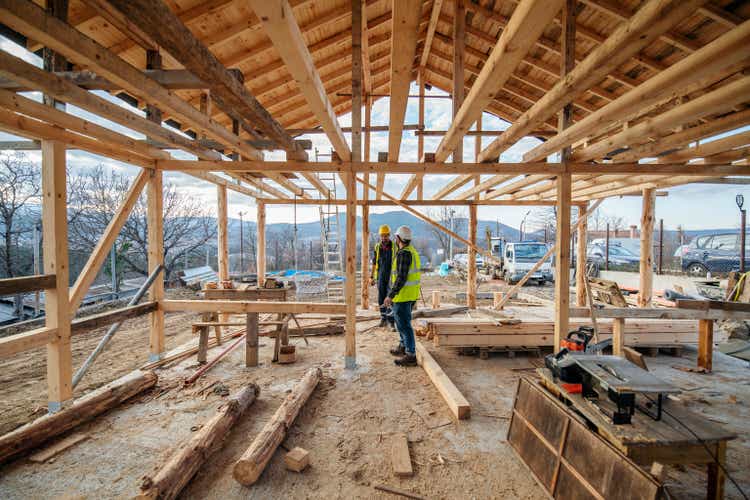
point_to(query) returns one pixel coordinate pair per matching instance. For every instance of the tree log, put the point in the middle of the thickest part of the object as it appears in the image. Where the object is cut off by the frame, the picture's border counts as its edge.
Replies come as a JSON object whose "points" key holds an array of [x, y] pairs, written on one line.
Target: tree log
{"points": [[250, 466], [85, 408], [185, 462]]}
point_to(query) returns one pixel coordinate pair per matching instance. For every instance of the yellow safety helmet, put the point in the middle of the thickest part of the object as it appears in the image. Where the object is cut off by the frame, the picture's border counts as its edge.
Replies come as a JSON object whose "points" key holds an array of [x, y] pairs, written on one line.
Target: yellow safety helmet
{"points": [[384, 229]]}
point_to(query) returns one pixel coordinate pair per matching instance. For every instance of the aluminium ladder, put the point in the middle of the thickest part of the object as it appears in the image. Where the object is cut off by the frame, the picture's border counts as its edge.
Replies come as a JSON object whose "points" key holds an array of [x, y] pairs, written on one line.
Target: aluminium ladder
{"points": [[330, 237]]}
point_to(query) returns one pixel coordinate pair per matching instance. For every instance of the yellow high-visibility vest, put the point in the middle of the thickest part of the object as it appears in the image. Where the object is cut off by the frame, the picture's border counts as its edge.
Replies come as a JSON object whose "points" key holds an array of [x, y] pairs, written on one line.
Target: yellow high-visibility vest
{"points": [[410, 291]]}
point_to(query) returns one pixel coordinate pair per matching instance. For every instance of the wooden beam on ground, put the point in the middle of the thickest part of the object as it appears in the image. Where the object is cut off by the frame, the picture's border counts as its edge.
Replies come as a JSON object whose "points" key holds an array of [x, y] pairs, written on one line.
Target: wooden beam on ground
{"points": [[156, 19], [102, 249], [249, 306], [400, 458], [155, 255], [251, 464], [652, 19], [404, 33], [457, 403], [55, 252], [711, 59], [281, 27], [82, 410], [184, 463], [646, 269], [526, 25], [25, 284]]}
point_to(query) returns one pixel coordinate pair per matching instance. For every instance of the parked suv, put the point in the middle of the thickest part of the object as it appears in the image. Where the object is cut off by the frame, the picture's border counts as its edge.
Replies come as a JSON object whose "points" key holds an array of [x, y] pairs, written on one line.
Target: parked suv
{"points": [[712, 252]]}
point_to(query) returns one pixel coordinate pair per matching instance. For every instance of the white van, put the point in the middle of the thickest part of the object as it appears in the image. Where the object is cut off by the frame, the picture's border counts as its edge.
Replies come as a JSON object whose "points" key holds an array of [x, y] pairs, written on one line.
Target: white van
{"points": [[520, 257]]}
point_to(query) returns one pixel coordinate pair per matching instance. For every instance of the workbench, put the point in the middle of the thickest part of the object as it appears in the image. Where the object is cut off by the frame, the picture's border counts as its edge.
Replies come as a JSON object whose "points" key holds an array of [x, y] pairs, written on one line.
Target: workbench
{"points": [[646, 440]]}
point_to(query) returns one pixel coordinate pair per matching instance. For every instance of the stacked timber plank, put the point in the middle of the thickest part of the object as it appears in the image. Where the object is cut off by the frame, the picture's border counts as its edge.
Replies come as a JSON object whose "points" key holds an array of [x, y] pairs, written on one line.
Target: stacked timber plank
{"points": [[451, 332]]}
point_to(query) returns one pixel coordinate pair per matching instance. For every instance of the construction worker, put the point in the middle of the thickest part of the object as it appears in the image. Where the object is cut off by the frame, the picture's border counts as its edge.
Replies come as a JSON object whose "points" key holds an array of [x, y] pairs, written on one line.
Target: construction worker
{"points": [[403, 295], [380, 275]]}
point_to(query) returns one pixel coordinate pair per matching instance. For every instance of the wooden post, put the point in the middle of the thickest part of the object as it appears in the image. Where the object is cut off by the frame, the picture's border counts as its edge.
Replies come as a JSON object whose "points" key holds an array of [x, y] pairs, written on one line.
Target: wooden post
{"points": [[646, 267], [563, 184], [223, 243], [562, 260], [251, 340], [618, 336], [435, 299], [155, 218], [420, 119], [471, 280], [350, 283], [459, 41], [581, 257], [261, 252], [716, 473], [365, 255], [55, 241], [606, 250], [497, 300], [705, 343], [202, 344]]}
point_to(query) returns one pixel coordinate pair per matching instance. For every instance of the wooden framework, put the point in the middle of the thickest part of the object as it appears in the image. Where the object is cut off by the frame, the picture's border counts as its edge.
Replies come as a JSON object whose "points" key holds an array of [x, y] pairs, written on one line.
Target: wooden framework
{"points": [[239, 77]]}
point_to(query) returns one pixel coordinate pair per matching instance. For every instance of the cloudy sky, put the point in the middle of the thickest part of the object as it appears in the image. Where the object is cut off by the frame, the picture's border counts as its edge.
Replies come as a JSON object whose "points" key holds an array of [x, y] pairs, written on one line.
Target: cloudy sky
{"points": [[698, 206]]}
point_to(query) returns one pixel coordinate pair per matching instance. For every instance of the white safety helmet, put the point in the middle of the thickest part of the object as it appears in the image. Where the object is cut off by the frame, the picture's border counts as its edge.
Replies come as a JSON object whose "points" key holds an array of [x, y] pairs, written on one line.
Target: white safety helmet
{"points": [[404, 233]]}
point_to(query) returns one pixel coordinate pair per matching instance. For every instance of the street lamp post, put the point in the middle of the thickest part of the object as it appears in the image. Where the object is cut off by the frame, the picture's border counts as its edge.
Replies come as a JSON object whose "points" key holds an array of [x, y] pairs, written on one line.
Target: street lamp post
{"points": [[740, 200], [522, 226]]}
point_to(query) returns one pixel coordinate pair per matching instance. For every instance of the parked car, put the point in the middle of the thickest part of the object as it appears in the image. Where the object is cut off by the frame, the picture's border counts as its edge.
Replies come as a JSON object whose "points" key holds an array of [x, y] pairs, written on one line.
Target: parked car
{"points": [[619, 256], [519, 258], [717, 253]]}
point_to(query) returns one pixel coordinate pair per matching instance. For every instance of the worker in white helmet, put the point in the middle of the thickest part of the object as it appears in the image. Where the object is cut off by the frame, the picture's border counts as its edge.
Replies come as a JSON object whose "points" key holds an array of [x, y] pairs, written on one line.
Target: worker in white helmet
{"points": [[380, 273], [405, 290]]}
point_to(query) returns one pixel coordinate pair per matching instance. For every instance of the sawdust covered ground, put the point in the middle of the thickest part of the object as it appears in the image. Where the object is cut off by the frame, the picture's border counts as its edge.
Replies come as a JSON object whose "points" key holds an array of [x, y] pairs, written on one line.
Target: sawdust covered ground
{"points": [[346, 425]]}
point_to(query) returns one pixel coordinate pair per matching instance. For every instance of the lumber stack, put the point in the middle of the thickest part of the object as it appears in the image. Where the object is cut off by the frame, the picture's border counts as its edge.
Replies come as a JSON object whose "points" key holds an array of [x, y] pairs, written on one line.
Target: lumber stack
{"points": [[251, 464], [493, 333], [82, 410], [185, 462]]}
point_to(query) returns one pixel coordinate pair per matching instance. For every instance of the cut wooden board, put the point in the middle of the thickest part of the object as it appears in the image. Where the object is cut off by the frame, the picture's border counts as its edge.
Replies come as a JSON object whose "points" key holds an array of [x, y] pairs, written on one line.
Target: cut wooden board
{"points": [[431, 416], [456, 401], [400, 458], [566, 458], [58, 447]]}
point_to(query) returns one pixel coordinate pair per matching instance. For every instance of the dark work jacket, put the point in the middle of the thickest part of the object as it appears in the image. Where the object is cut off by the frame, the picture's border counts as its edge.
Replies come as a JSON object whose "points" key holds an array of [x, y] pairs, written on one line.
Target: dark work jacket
{"points": [[384, 261]]}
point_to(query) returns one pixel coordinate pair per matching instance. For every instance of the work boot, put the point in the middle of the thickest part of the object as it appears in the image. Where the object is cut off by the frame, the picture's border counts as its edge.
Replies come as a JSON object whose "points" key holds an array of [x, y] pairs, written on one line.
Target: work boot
{"points": [[393, 327], [406, 360], [398, 350], [383, 323]]}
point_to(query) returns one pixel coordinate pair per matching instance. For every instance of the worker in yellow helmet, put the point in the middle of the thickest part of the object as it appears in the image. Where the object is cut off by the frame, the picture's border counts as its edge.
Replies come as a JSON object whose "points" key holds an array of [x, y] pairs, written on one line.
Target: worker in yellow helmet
{"points": [[380, 274], [405, 290]]}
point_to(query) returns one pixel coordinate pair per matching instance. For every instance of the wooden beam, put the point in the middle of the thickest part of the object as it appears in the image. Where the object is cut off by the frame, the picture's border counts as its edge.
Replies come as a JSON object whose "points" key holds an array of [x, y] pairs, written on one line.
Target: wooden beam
{"points": [[248, 306], [471, 280], [437, 5], [457, 403], [54, 116], [25, 284], [155, 237], [365, 45], [652, 19], [646, 269], [121, 23], [261, 251], [55, 252], [526, 25], [26, 74], [156, 19], [562, 260], [718, 101], [713, 58], [350, 283], [357, 76], [281, 27], [223, 233], [172, 79], [705, 344], [404, 33], [102, 249], [459, 48], [27, 18]]}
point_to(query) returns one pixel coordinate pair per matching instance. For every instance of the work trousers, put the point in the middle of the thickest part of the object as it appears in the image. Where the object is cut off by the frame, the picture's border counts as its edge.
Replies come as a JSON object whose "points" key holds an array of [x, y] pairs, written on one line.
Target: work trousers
{"points": [[383, 287], [402, 314]]}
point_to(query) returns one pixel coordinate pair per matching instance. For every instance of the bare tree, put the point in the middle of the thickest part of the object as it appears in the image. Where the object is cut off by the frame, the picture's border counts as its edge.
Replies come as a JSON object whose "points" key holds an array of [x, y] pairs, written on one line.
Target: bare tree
{"points": [[188, 224], [447, 216], [19, 185]]}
